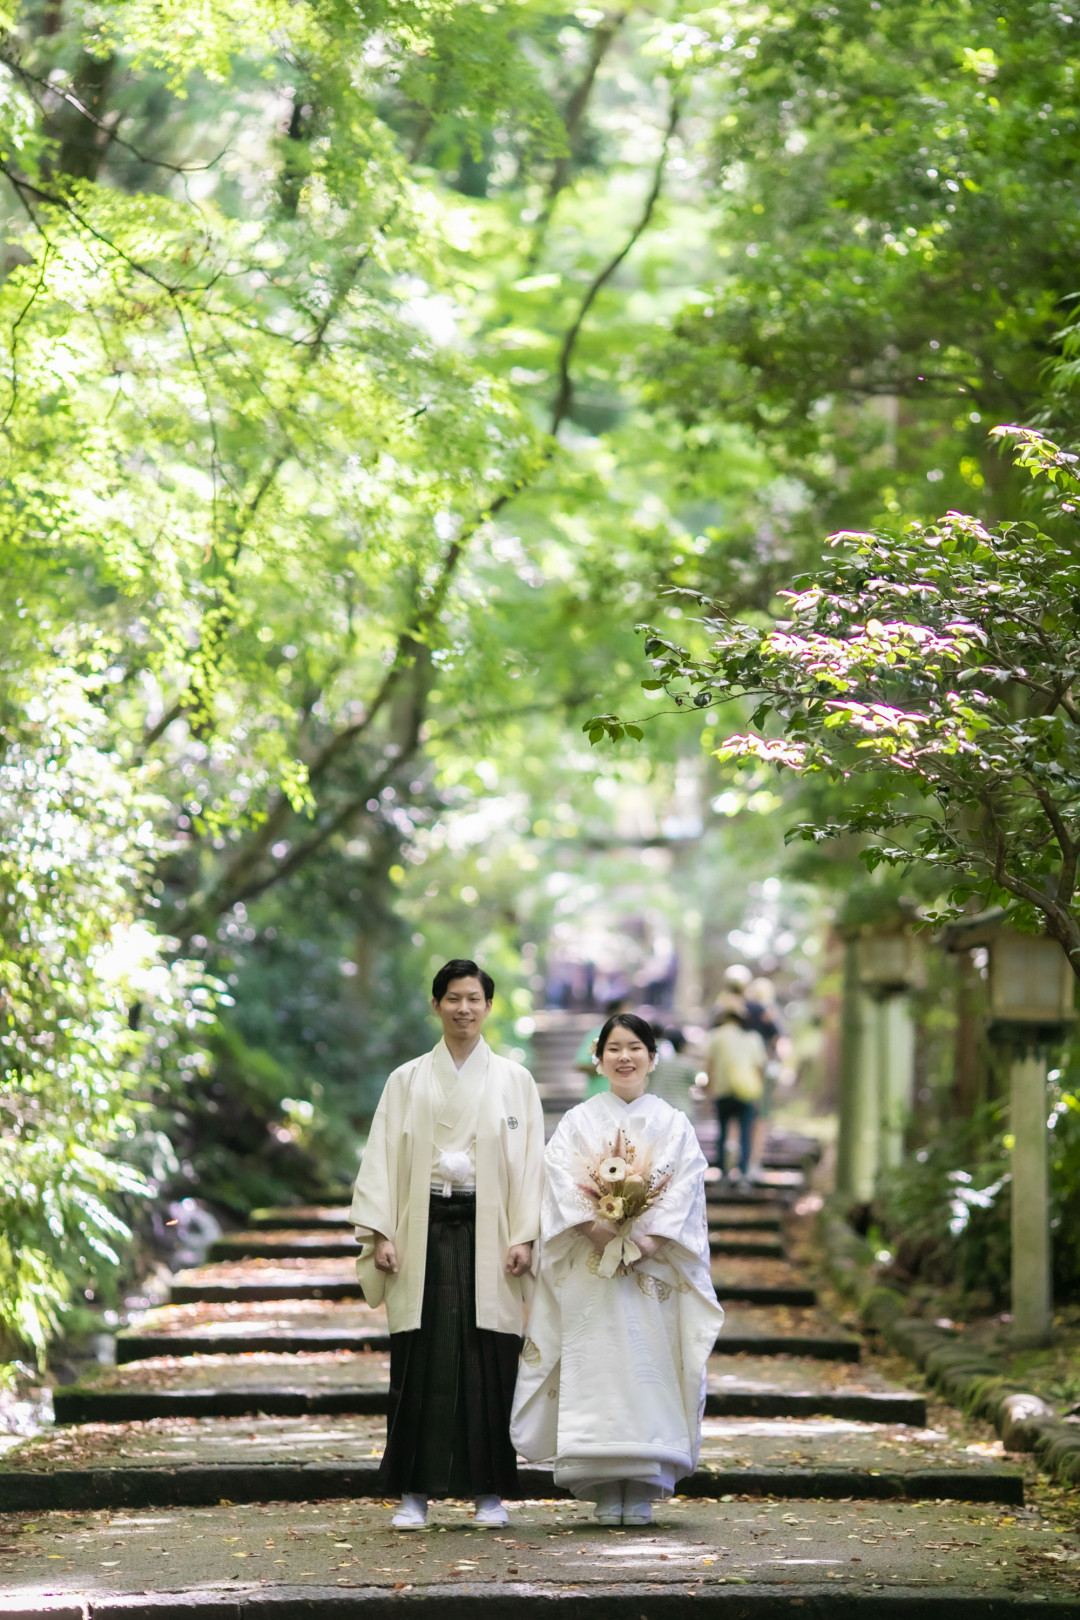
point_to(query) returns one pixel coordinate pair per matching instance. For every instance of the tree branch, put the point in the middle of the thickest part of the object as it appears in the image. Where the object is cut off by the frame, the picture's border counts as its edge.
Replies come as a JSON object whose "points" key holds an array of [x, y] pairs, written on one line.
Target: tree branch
{"points": [[564, 397], [49, 88], [602, 39], [234, 883]]}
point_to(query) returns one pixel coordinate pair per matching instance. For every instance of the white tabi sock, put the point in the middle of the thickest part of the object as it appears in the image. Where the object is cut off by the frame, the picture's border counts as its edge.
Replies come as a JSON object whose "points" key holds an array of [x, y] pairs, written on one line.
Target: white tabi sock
{"points": [[412, 1514], [608, 1494]]}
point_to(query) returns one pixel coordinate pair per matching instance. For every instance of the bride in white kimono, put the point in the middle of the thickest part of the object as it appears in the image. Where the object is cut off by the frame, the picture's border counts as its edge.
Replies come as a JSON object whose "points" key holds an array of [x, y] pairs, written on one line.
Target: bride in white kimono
{"points": [[612, 1376]]}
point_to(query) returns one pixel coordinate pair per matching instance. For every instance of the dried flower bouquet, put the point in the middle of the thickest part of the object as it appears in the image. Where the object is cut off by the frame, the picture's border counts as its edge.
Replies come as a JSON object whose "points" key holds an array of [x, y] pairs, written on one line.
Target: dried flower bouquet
{"points": [[621, 1184]]}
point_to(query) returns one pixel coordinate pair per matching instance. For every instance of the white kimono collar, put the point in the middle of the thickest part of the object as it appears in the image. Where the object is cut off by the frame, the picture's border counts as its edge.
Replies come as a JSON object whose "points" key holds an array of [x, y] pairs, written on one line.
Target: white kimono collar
{"points": [[646, 1098], [458, 1091]]}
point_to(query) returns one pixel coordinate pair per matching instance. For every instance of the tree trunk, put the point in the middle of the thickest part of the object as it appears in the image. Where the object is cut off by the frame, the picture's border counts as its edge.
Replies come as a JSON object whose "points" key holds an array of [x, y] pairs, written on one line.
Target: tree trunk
{"points": [[82, 136]]}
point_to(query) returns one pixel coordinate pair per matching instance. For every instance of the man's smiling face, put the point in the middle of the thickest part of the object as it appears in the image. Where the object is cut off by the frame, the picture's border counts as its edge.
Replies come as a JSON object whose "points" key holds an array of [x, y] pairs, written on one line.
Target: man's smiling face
{"points": [[462, 1009]]}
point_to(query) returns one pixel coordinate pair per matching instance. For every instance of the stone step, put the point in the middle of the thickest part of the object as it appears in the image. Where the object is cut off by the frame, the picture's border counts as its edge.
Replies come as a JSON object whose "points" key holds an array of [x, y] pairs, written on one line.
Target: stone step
{"points": [[743, 1560], [794, 1387], [781, 1180], [760, 1282], [294, 1324], [727, 1193], [335, 1218], [294, 1244], [746, 1244], [794, 1142], [292, 1278], [241, 1280], [301, 1217], [197, 1461], [755, 1218], [743, 1385], [297, 1325], [326, 1269]]}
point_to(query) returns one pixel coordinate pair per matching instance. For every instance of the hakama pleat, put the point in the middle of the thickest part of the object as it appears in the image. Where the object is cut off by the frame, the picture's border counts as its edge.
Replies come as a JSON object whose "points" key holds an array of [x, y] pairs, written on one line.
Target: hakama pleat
{"points": [[451, 1383]]}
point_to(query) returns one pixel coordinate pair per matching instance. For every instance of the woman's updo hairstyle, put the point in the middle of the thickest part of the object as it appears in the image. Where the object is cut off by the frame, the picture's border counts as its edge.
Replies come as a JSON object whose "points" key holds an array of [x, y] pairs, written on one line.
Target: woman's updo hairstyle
{"points": [[637, 1026]]}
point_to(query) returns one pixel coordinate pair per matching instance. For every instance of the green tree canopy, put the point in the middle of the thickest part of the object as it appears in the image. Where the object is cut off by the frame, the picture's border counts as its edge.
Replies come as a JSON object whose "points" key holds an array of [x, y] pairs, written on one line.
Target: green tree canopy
{"points": [[897, 227], [934, 670]]}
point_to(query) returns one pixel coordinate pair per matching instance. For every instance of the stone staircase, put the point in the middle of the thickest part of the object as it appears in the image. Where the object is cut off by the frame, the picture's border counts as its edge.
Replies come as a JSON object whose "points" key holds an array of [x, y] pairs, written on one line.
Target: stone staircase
{"points": [[260, 1391]]}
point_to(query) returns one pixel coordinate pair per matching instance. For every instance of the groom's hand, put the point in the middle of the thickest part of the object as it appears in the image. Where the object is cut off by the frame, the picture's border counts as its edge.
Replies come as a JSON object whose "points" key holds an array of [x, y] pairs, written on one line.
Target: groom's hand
{"points": [[385, 1256], [519, 1259]]}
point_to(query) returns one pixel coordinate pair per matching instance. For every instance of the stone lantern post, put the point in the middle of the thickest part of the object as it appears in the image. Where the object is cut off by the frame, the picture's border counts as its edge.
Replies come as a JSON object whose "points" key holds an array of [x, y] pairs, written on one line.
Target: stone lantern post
{"points": [[883, 965], [890, 968], [1031, 1007]]}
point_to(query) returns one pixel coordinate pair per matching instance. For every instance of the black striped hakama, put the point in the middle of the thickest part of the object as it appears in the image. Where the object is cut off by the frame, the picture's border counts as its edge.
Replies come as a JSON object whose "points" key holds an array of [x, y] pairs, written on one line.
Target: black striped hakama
{"points": [[451, 1383]]}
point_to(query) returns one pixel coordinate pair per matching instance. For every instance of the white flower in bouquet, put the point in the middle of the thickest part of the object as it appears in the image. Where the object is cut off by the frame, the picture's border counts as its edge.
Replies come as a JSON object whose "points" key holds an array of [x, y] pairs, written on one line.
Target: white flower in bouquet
{"points": [[619, 1186]]}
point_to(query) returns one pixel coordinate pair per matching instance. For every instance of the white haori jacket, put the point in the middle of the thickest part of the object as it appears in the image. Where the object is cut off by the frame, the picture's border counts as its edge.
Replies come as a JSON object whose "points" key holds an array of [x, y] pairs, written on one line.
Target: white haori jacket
{"points": [[612, 1377], [424, 1104]]}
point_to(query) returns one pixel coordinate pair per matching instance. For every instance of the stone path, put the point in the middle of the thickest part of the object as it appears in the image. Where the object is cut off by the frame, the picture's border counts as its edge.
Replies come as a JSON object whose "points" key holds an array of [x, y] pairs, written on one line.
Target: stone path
{"points": [[750, 1559], [227, 1462]]}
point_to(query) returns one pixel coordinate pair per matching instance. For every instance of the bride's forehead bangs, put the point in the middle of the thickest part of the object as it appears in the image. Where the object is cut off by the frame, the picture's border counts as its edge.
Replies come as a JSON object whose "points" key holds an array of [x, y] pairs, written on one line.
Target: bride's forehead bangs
{"points": [[629, 1027]]}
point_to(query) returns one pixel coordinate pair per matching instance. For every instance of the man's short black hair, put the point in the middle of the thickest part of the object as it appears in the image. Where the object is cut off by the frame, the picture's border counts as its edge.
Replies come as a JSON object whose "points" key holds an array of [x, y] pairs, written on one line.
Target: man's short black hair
{"points": [[459, 968]]}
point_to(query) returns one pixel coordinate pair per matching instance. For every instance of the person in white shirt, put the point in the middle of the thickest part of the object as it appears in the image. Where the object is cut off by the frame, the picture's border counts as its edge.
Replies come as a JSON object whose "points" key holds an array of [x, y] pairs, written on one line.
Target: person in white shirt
{"points": [[447, 1206]]}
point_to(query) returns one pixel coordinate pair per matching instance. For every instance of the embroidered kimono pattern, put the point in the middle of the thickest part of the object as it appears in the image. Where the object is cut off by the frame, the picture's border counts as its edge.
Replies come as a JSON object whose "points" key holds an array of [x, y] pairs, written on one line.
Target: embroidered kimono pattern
{"points": [[612, 1377]]}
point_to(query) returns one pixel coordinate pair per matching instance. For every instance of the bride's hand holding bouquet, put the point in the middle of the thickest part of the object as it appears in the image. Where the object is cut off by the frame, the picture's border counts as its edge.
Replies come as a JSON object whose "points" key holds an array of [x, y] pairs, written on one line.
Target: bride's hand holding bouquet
{"points": [[621, 1186]]}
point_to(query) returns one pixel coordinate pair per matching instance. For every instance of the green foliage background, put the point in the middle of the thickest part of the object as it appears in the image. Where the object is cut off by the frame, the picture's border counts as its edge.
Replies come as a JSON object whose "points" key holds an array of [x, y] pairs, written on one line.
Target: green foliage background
{"points": [[367, 373]]}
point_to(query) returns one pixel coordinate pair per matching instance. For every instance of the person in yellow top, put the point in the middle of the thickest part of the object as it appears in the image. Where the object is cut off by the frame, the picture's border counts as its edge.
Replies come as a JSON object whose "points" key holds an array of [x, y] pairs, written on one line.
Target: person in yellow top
{"points": [[735, 1059]]}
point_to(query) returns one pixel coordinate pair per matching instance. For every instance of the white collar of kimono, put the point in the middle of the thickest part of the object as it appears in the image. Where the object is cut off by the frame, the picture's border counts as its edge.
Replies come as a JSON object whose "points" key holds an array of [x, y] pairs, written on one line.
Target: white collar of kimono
{"points": [[646, 1101], [458, 1091]]}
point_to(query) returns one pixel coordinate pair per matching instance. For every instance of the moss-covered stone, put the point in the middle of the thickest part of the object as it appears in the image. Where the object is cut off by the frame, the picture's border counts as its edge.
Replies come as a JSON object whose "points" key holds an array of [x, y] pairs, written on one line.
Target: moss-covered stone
{"points": [[964, 1376]]}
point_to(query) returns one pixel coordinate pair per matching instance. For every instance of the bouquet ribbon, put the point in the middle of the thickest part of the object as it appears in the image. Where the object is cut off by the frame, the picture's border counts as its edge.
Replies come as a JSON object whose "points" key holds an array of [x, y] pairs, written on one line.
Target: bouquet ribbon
{"points": [[621, 1251]]}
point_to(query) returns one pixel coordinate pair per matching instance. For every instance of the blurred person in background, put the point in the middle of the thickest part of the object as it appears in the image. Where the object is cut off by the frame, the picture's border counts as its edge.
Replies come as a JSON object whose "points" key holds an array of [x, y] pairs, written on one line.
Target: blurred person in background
{"points": [[763, 1016], [675, 1071], [735, 1059]]}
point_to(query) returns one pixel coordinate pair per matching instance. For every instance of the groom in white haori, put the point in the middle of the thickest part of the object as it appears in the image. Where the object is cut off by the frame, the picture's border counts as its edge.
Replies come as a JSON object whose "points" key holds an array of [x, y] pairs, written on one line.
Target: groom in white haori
{"points": [[447, 1206], [624, 1317]]}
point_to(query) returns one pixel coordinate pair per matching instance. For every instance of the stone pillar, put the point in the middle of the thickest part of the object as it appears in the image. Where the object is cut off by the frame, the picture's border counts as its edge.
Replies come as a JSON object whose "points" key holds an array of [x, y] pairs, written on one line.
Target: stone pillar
{"points": [[689, 979], [847, 1071], [866, 1128], [858, 1145], [969, 1087], [1032, 1306], [895, 1075]]}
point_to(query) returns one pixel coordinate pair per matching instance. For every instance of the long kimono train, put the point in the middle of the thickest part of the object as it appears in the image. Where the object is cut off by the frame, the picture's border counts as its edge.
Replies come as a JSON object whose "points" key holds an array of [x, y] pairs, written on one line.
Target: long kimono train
{"points": [[451, 1383], [612, 1380], [453, 1311]]}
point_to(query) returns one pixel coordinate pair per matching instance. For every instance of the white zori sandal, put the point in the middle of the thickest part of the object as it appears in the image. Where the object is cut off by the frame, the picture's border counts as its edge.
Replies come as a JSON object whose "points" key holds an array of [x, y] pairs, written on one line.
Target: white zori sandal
{"points": [[608, 1503], [412, 1514], [636, 1505], [490, 1513]]}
